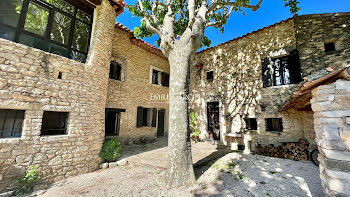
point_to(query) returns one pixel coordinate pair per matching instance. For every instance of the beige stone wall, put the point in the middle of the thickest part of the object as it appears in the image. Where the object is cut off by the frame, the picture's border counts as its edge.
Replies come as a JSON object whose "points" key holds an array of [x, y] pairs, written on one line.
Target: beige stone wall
{"points": [[237, 70], [135, 88], [237, 85], [331, 106], [28, 79]]}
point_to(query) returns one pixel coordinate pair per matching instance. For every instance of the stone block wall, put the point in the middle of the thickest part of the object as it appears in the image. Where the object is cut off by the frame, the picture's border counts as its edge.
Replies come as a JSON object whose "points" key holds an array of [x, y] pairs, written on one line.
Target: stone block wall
{"points": [[331, 106], [135, 87], [312, 31], [237, 85], [29, 81]]}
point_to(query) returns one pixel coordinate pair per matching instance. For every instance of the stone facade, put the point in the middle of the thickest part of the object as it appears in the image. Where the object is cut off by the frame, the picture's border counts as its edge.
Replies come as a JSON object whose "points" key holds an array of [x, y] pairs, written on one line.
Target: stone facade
{"points": [[135, 88], [331, 106], [29, 81], [238, 86]]}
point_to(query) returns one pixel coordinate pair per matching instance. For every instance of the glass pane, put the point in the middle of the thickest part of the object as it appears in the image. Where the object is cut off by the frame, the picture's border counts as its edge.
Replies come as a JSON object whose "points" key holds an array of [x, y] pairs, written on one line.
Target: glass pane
{"points": [[58, 50], [7, 33], [43, 45], [78, 56], [36, 19], [60, 29], [81, 36], [10, 11], [83, 16], [34, 42], [62, 5]]}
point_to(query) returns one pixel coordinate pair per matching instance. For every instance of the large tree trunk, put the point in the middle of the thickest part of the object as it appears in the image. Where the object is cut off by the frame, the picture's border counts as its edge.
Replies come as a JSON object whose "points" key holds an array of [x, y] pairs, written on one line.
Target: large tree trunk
{"points": [[181, 171]]}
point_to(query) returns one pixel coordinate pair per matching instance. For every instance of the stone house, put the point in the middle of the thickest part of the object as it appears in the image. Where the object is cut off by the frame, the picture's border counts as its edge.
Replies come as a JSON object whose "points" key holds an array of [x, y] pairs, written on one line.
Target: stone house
{"points": [[70, 78], [240, 87]]}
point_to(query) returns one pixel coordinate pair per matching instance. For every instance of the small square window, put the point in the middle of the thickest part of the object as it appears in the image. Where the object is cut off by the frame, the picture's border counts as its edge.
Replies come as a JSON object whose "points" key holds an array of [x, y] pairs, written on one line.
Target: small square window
{"points": [[274, 124], [115, 71], [11, 123], [54, 123], [210, 75], [251, 124], [329, 47]]}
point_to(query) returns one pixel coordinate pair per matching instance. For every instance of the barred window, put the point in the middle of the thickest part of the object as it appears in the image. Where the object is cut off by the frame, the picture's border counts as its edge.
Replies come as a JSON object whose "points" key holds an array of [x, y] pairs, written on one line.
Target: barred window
{"points": [[274, 124]]}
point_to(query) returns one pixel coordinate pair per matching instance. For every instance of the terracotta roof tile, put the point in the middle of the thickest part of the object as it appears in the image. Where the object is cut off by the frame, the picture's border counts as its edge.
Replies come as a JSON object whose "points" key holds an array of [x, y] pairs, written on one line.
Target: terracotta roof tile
{"points": [[140, 43]]}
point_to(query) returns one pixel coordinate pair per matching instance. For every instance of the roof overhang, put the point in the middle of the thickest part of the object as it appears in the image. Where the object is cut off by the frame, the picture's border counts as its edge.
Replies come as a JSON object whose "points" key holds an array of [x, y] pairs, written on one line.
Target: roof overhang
{"points": [[118, 5], [301, 99]]}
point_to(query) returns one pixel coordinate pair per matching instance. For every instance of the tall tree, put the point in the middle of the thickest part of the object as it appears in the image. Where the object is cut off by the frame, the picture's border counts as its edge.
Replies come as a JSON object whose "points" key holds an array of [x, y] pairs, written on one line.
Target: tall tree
{"points": [[180, 26]]}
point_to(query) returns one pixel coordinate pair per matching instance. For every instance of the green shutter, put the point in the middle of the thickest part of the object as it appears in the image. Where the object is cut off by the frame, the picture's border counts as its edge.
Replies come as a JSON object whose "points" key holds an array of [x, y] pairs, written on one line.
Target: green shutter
{"points": [[139, 117]]}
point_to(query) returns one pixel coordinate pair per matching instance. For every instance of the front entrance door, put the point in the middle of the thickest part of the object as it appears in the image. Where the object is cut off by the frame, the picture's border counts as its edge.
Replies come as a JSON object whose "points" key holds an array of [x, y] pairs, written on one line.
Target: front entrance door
{"points": [[161, 118], [213, 120]]}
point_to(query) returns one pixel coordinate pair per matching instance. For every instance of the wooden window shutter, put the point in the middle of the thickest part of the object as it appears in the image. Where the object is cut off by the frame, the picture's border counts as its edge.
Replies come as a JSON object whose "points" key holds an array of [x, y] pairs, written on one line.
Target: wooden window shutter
{"points": [[139, 119], [165, 79], [266, 73], [154, 117], [294, 67]]}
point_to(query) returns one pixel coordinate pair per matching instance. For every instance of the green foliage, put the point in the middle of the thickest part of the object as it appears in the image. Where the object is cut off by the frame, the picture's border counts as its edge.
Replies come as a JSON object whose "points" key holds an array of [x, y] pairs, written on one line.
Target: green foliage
{"points": [[193, 121], [27, 182], [181, 15], [110, 150]]}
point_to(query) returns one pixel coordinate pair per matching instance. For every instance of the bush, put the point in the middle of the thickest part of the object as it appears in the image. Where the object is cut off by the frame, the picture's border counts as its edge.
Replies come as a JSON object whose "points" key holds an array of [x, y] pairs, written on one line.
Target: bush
{"points": [[27, 182], [110, 150]]}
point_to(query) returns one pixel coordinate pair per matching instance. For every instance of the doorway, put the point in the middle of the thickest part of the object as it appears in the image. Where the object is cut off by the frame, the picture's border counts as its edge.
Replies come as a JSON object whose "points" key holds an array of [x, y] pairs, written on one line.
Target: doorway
{"points": [[112, 121], [213, 120], [161, 123]]}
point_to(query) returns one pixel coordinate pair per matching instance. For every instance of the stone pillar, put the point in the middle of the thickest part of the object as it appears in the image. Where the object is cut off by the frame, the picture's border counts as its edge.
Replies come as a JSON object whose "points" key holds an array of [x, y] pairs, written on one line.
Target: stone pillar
{"points": [[98, 65], [331, 106]]}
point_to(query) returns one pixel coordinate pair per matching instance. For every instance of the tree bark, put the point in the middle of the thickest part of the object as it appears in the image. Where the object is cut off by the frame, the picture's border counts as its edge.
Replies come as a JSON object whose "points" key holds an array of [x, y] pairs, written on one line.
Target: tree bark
{"points": [[181, 172]]}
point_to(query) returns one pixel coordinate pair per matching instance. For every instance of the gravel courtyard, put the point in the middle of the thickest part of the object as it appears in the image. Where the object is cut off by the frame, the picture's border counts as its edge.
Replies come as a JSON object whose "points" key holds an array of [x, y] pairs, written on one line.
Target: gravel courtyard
{"points": [[233, 174]]}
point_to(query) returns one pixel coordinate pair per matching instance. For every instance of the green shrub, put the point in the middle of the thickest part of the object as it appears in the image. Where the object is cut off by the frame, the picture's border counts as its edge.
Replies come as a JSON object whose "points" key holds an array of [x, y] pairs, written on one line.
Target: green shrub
{"points": [[27, 182], [110, 150]]}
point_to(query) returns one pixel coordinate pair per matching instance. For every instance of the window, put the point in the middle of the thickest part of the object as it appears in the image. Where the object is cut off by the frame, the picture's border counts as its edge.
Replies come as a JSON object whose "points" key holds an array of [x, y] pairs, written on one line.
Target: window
{"points": [[112, 125], [274, 124], [328, 47], [146, 117], [54, 26], [54, 123], [11, 123], [251, 124], [155, 77], [115, 71], [210, 76], [160, 78], [281, 71]]}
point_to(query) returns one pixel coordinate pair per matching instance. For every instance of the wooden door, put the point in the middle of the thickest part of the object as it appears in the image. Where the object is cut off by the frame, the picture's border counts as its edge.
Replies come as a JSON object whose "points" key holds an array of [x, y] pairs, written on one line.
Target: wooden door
{"points": [[161, 123], [213, 120]]}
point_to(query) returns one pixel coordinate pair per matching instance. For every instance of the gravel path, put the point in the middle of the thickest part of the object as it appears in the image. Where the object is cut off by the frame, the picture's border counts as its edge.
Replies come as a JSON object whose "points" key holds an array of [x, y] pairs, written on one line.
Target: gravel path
{"points": [[231, 175]]}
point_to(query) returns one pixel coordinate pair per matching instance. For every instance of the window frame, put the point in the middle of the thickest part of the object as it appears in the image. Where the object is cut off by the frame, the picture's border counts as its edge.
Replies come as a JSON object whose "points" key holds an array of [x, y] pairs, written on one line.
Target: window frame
{"points": [[120, 72], [159, 77], [248, 122], [13, 124], [20, 30], [65, 125], [280, 121], [212, 75]]}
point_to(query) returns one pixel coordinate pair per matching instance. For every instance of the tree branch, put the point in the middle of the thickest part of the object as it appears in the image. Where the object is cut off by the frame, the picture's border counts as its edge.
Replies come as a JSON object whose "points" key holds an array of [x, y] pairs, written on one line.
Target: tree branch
{"points": [[147, 19]]}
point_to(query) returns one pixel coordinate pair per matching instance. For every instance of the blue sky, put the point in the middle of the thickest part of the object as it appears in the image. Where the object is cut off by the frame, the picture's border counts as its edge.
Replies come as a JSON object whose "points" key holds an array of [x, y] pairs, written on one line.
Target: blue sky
{"points": [[271, 11]]}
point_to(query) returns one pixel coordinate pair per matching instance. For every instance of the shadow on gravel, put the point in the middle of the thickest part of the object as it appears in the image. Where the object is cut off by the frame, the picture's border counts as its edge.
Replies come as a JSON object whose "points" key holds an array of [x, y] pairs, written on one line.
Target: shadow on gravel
{"points": [[253, 176], [134, 149]]}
